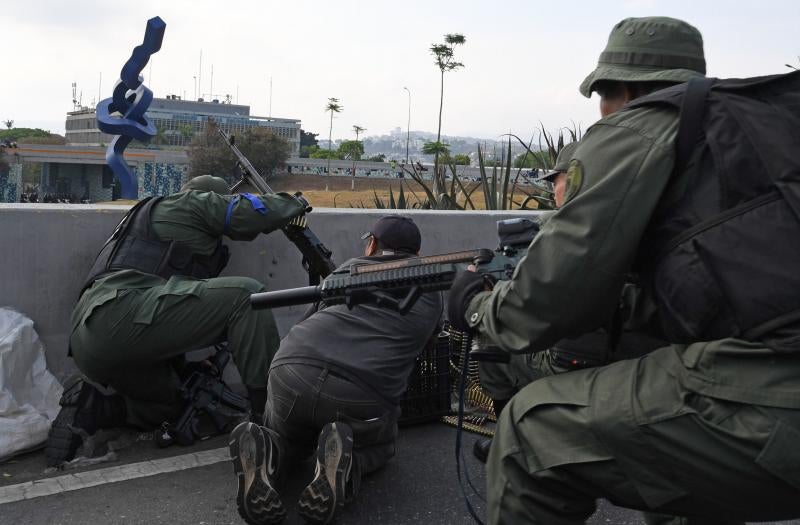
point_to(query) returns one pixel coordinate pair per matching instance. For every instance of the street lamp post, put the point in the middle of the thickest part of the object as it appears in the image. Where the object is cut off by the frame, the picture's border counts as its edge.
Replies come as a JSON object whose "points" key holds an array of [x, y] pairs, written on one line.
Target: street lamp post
{"points": [[408, 125]]}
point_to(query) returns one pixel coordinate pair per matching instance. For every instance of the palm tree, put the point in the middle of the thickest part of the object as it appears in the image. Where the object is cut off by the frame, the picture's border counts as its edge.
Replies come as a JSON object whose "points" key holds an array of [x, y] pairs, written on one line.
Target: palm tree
{"points": [[435, 148], [444, 60], [334, 107], [161, 135], [187, 133], [9, 123], [358, 129]]}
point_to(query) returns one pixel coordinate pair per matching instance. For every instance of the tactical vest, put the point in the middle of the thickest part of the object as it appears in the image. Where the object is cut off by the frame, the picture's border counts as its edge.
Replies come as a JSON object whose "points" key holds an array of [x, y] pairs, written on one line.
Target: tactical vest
{"points": [[724, 260], [135, 246]]}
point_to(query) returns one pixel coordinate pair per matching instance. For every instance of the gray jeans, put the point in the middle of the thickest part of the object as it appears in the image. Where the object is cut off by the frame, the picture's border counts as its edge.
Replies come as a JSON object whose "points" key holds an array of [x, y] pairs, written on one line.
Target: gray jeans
{"points": [[302, 398]]}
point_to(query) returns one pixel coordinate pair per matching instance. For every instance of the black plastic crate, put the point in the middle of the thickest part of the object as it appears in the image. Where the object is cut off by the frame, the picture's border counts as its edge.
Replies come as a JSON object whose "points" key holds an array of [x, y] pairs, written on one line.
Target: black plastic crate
{"points": [[429, 387]]}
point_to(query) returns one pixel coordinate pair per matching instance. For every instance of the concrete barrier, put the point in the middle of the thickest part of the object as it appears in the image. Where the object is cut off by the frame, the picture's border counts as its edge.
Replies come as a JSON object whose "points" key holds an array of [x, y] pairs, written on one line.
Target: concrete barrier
{"points": [[47, 249]]}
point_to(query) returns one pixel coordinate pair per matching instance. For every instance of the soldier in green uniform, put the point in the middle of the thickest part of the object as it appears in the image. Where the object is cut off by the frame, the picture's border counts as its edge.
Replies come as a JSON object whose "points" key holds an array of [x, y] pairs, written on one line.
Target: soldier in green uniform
{"points": [[154, 294], [707, 427], [501, 381]]}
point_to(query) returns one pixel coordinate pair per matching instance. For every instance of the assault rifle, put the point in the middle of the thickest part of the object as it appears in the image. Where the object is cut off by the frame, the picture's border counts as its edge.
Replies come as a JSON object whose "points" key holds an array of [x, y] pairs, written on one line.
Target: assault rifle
{"points": [[204, 392], [398, 284], [316, 257]]}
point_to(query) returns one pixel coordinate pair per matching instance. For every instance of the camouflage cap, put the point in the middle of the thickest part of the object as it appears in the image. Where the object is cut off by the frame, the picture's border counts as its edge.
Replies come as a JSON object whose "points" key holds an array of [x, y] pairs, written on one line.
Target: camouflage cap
{"points": [[207, 183], [649, 49], [562, 161]]}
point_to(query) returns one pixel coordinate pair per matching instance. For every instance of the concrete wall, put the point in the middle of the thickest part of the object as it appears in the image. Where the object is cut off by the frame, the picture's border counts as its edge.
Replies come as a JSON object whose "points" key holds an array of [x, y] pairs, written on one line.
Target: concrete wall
{"points": [[159, 179], [48, 248], [11, 183], [77, 180]]}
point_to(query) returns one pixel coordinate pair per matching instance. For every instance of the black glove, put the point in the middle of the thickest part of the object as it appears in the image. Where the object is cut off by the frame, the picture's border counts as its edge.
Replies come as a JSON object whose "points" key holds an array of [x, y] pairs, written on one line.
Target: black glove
{"points": [[303, 201], [464, 288]]}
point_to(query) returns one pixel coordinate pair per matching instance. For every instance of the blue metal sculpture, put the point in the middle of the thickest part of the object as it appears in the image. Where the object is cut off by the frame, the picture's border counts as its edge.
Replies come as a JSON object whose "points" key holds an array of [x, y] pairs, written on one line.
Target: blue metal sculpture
{"points": [[123, 113]]}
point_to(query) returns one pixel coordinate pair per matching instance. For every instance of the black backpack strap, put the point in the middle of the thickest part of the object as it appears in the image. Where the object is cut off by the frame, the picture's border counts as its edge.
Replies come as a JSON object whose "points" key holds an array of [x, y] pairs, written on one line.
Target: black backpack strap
{"points": [[691, 119]]}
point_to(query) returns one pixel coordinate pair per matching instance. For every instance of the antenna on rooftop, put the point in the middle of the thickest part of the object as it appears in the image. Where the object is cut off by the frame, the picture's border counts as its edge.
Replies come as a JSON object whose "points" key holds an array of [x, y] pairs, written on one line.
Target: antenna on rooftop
{"points": [[76, 98], [200, 74]]}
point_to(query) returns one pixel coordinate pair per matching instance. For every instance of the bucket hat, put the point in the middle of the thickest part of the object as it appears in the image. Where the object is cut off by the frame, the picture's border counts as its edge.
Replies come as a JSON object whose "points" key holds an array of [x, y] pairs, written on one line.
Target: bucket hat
{"points": [[649, 49]]}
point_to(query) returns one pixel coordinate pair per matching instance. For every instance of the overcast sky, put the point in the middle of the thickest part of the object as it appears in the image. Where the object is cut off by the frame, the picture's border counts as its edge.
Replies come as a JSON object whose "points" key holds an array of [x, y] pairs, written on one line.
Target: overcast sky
{"points": [[523, 59]]}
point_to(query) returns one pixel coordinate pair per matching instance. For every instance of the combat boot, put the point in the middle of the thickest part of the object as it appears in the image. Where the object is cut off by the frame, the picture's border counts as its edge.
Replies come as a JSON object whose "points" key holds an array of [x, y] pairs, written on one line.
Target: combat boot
{"points": [[84, 410], [481, 449]]}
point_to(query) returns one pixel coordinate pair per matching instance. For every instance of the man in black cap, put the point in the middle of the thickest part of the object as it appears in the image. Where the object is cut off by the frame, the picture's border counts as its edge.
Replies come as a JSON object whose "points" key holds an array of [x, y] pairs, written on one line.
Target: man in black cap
{"points": [[335, 383]]}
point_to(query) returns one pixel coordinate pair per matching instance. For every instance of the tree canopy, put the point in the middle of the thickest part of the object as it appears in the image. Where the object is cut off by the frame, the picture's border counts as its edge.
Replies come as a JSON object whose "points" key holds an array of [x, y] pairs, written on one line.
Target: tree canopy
{"points": [[461, 160], [347, 150], [308, 144], [444, 53], [324, 154], [351, 150], [208, 153], [31, 136], [308, 139], [436, 148], [537, 159]]}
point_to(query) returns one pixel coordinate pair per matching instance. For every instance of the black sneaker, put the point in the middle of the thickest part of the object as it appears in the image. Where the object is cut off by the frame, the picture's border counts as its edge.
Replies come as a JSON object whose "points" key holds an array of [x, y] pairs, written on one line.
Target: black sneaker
{"points": [[334, 475], [81, 404], [481, 449], [255, 460]]}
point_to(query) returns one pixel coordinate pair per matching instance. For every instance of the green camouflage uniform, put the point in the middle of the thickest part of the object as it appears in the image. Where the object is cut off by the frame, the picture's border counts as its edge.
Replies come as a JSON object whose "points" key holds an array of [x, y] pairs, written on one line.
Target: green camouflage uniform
{"points": [[708, 429], [636, 312], [502, 380], [128, 325]]}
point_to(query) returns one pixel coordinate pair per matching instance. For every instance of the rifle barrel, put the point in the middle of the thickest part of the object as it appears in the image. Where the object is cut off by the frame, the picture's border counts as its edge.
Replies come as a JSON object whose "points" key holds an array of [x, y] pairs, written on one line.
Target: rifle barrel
{"points": [[291, 297], [249, 172]]}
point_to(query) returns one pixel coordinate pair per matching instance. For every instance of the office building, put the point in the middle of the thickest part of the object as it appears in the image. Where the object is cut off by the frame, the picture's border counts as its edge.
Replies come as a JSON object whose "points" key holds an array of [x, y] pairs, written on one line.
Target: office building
{"points": [[178, 121]]}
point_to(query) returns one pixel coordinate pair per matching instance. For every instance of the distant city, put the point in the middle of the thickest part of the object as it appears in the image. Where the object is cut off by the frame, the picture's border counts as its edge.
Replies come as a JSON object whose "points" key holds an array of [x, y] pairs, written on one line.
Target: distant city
{"points": [[393, 145]]}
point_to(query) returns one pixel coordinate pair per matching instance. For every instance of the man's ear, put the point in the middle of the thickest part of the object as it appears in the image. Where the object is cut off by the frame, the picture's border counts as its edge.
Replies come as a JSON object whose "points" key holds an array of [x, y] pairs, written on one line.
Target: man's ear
{"points": [[371, 247], [628, 92]]}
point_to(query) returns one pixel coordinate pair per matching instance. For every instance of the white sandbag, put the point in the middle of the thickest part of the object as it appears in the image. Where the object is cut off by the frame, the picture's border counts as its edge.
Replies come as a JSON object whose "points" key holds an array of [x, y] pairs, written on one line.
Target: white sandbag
{"points": [[29, 393]]}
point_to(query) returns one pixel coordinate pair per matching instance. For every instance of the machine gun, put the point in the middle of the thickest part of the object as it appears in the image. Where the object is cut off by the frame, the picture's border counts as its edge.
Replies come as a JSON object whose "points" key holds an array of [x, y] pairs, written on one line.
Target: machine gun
{"points": [[383, 283], [316, 257]]}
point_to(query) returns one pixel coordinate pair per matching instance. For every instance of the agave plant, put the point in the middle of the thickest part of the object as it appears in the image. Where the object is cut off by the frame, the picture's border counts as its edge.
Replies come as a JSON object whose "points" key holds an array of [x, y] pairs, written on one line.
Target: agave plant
{"points": [[499, 185], [391, 203], [549, 148], [441, 195]]}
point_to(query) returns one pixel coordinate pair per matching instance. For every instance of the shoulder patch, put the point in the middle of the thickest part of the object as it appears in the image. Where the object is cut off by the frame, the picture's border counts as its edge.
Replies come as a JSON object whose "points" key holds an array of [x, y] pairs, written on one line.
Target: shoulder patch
{"points": [[574, 179]]}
